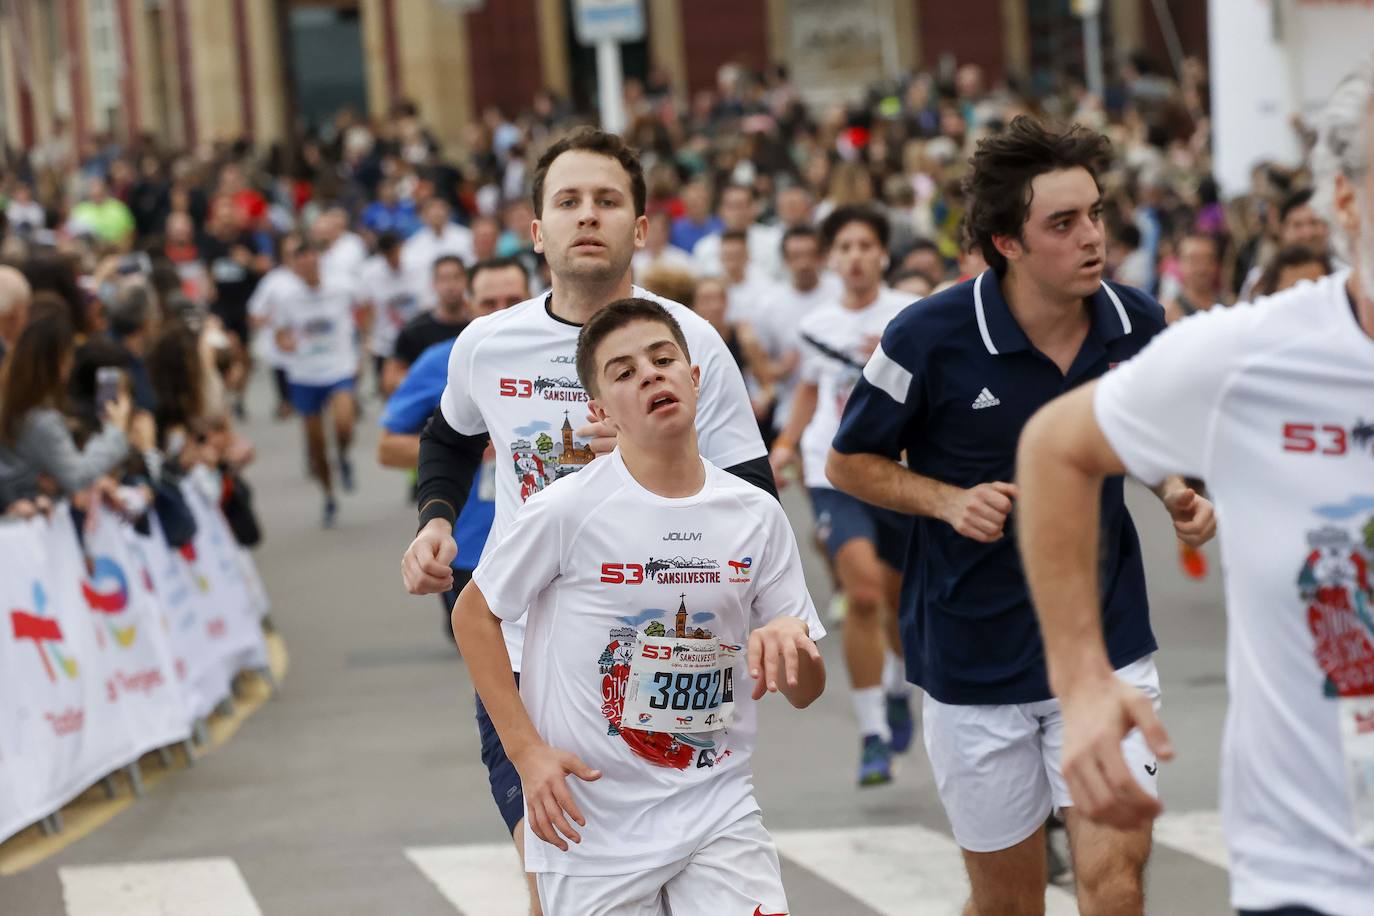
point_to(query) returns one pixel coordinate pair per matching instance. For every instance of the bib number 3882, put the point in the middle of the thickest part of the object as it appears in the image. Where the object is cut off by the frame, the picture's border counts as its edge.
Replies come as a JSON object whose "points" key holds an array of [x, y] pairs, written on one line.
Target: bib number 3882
{"points": [[680, 685]]}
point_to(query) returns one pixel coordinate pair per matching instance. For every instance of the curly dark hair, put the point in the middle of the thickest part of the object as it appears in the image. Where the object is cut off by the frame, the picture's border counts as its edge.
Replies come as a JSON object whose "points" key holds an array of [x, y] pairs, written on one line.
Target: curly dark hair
{"points": [[998, 188], [602, 143]]}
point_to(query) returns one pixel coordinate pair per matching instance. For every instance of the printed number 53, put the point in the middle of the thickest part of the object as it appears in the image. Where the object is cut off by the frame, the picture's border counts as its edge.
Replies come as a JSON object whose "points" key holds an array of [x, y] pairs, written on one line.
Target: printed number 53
{"points": [[622, 573], [1308, 437], [516, 388]]}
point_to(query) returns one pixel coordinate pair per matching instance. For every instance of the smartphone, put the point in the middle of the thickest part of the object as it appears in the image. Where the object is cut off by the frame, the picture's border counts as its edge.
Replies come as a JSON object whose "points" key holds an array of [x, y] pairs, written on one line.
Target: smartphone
{"points": [[107, 386], [136, 263]]}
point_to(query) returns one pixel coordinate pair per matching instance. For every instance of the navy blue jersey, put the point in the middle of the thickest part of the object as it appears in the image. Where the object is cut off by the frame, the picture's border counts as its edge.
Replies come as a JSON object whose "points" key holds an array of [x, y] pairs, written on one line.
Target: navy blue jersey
{"points": [[952, 384]]}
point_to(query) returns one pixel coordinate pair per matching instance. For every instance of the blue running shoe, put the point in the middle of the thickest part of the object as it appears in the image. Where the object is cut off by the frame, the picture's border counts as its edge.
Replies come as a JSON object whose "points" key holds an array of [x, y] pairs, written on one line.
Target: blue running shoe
{"points": [[901, 722], [346, 474], [331, 513], [875, 762]]}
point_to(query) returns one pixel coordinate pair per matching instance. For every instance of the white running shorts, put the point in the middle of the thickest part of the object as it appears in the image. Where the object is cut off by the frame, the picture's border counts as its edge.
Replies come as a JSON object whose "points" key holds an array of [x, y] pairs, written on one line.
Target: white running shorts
{"points": [[735, 872], [997, 768]]}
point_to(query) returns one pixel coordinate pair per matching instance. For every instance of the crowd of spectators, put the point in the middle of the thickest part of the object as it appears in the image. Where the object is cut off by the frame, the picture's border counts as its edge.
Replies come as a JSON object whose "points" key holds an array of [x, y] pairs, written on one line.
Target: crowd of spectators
{"points": [[147, 259]]}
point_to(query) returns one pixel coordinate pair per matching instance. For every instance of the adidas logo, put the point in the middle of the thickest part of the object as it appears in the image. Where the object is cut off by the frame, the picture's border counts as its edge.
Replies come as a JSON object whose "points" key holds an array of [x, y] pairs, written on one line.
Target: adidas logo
{"points": [[985, 399]]}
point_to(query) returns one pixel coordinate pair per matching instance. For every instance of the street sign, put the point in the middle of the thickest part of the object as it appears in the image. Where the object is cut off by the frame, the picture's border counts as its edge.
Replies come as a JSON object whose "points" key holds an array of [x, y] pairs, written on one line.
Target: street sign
{"points": [[608, 20]]}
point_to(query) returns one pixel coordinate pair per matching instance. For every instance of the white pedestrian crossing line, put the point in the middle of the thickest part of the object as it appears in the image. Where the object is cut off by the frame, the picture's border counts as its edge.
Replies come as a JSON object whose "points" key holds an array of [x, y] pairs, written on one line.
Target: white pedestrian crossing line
{"points": [[1196, 833], [898, 871], [479, 880], [905, 870], [187, 887]]}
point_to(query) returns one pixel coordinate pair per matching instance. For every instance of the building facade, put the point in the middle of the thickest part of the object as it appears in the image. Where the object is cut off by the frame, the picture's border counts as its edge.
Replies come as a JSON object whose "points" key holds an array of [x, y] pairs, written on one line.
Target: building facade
{"points": [[192, 72]]}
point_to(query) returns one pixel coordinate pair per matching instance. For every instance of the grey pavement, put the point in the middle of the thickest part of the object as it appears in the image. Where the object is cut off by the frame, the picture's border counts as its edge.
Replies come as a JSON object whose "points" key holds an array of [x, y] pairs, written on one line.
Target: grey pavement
{"points": [[370, 749]]}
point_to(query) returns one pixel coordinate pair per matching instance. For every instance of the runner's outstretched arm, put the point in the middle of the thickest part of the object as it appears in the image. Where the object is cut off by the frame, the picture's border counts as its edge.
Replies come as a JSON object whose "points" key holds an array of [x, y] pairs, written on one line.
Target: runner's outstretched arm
{"points": [[1062, 460], [448, 463]]}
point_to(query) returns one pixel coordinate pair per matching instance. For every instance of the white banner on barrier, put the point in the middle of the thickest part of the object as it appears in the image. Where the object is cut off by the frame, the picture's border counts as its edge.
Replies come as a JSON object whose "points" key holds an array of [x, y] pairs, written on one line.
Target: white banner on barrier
{"points": [[110, 652]]}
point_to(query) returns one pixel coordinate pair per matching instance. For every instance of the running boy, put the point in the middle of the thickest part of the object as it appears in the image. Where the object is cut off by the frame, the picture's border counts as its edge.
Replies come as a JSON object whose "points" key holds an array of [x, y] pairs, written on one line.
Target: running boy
{"points": [[632, 653]]}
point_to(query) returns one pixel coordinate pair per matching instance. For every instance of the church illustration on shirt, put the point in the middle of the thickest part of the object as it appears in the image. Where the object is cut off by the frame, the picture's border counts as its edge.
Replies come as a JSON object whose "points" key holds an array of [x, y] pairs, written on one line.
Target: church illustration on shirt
{"points": [[541, 462]]}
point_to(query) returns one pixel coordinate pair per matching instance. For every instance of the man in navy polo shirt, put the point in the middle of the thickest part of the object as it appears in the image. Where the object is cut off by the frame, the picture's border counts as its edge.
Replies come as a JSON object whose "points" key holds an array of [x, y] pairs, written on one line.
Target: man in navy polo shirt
{"points": [[954, 379]]}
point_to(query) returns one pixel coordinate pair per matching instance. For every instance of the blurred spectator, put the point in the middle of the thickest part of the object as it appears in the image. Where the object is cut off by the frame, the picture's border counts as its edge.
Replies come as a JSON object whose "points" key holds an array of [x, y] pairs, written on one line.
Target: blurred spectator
{"points": [[697, 221], [738, 212], [1291, 266], [390, 212], [103, 216], [15, 297], [1199, 283], [658, 250], [24, 214], [436, 238], [133, 320], [32, 422]]}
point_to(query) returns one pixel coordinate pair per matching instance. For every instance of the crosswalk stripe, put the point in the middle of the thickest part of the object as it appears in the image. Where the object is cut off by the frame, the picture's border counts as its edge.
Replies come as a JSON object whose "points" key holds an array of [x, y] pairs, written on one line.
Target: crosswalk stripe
{"points": [[1196, 833], [479, 880], [186, 887], [898, 871]]}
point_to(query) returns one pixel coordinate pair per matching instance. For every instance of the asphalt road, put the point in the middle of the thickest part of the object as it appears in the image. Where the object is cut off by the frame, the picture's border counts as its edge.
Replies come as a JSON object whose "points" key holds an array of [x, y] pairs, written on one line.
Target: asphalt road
{"points": [[358, 789]]}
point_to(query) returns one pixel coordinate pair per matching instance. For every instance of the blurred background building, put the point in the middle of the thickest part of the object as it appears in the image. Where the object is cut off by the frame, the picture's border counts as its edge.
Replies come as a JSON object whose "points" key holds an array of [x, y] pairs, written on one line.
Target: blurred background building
{"points": [[192, 72]]}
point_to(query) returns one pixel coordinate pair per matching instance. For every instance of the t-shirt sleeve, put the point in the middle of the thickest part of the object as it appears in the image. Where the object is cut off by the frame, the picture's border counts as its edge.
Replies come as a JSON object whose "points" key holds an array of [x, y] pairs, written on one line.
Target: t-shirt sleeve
{"points": [[1158, 409], [459, 403], [888, 397], [526, 559], [726, 428], [414, 400], [781, 590]]}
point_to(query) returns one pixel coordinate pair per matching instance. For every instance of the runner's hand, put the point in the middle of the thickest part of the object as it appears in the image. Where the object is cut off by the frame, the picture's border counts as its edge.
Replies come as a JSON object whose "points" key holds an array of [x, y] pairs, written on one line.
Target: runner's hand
{"points": [[1194, 519], [1097, 717], [780, 459], [774, 650], [286, 340], [425, 566], [543, 777], [598, 435], [981, 512]]}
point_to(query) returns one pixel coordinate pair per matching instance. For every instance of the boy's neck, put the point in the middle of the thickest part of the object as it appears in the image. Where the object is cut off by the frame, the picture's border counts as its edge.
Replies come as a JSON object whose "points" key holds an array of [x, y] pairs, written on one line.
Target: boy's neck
{"points": [[670, 468]]}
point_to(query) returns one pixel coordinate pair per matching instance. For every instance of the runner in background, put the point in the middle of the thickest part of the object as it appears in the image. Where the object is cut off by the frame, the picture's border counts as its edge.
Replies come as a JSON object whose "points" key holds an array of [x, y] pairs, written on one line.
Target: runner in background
{"points": [[865, 544], [449, 315], [391, 300]]}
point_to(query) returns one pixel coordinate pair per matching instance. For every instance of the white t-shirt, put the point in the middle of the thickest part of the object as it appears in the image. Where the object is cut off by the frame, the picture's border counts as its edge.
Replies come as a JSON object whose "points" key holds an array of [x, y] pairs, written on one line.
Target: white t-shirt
{"points": [[777, 325], [743, 300], [344, 259], [671, 257], [262, 304], [395, 300], [1271, 404], [321, 318], [421, 250], [512, 375], [598, 561], [835, 347]]}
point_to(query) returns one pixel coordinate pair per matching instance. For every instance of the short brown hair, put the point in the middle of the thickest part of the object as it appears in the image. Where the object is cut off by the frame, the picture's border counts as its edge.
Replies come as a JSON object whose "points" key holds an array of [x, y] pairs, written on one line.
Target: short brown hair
{"points": [[999, 186], [591, 140], [612, 318]]}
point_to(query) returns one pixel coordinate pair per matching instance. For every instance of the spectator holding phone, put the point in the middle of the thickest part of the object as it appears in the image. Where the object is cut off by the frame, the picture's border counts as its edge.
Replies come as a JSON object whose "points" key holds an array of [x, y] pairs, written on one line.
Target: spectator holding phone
{"points": [[33, 424]]}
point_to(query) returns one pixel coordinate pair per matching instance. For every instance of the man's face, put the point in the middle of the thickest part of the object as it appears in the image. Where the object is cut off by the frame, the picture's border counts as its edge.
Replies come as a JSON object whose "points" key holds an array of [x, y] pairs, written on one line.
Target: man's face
{"points": [[450, 283], [857, 256], [734, 258], [179, 229], [1296, 273], [97, 191], [497, 288], [436, 215], [794, 206], [696, 200], [1197, 261], [1302, 226], [645, 388], [660, 227], [928, 261], [306, 263], [802, 255], [737, 209], [392, 256], [486, 233], [589, 231], [1063, 245]]}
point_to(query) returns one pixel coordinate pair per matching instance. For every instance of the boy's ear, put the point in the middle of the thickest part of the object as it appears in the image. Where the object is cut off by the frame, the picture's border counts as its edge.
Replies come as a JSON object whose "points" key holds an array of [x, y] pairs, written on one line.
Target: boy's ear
{"points": [[696, 379], [599, 414]]}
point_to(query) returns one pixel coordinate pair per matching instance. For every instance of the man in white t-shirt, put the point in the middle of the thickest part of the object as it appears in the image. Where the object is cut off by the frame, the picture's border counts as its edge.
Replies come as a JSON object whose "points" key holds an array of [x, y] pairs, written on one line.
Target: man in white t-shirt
{"points": [[436, 238], [746, 287], [776, 323], [512, 380], [314, 325], [739, 208], [633, 652], [342, 252], [659, 251], [866, 544], [260, 307], [1269, 403], [390, 297]]}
